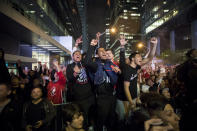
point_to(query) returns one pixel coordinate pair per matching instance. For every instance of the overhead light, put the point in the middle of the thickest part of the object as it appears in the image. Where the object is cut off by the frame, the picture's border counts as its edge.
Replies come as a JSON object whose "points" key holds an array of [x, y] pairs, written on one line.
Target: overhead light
{"points": [[41, 51], [164, 2], [125, 11], [44, 45], [54, 49], [50, 47], [31, 4], [36, 49], [107, 24]]}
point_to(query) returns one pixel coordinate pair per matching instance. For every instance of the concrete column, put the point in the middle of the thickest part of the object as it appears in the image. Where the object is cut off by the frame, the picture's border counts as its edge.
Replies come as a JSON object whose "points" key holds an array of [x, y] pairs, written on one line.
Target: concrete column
{"points": [[194, 34], [158, 47], [172, 40]]}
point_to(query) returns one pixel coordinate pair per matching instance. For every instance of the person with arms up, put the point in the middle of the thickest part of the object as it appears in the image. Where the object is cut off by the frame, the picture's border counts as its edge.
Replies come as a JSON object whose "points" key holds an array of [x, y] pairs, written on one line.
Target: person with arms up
{"points": [[131, 73]]}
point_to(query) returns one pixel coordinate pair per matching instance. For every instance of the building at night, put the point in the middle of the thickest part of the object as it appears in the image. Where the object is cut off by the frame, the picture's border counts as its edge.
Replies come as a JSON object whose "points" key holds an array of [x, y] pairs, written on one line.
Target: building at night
{"points": [[173, 21], [37, 30]]}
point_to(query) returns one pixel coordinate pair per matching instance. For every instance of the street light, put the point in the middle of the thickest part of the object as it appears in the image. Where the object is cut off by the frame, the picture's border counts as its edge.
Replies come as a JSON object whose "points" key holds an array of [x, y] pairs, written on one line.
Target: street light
{"points": [[141, 45], [112, 30]]}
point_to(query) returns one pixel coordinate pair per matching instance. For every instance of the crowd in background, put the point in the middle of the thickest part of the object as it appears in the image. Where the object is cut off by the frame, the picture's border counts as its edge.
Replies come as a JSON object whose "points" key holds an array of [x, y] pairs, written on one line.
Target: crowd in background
{"points": [[95, 92]]}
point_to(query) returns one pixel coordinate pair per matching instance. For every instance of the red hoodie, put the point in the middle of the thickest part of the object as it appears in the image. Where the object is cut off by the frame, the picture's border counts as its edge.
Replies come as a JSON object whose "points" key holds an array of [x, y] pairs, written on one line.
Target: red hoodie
{"points": [[55, 89]]}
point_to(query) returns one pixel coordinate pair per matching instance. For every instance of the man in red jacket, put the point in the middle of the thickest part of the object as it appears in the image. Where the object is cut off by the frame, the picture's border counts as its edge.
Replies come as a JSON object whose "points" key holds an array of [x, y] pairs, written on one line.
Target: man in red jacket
{"points": [[56, 85]]}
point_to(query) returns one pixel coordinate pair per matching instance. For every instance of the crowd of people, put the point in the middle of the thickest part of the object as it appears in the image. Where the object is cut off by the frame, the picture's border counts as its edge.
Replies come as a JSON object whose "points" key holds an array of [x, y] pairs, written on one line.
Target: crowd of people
{"points": [[97, 93]]}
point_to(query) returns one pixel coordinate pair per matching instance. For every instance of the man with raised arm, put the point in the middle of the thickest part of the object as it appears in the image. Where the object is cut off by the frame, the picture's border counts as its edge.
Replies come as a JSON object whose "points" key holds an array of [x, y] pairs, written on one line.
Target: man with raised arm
{"points": [[130, 73], [79, 87], [104, 77]]}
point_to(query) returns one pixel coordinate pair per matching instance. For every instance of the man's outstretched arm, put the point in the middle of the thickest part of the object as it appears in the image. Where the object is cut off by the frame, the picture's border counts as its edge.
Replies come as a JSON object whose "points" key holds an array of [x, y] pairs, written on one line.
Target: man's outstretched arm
{"points": [[153, 40]]}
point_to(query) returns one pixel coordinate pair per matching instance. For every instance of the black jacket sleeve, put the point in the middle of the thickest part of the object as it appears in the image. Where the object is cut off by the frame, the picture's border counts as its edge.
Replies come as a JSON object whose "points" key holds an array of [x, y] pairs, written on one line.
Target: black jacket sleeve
{"points": [[49, 111], [70, 73], [4, 73], [88, 61], [122, 58]]}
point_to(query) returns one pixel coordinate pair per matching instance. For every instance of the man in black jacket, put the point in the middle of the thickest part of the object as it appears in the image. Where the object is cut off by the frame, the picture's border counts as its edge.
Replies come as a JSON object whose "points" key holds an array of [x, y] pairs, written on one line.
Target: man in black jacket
{"points": [[38, 113], [10, 110], [4, 74], [104, 76], [79, 86]]}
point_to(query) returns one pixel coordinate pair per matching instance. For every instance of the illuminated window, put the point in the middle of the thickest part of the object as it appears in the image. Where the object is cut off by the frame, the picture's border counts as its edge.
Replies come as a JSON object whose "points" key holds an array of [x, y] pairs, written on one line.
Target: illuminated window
{"points": [[135, 14], [134, 8], [161, 21], [125, 17], [155, 8], [165, 11], [156, 16]]}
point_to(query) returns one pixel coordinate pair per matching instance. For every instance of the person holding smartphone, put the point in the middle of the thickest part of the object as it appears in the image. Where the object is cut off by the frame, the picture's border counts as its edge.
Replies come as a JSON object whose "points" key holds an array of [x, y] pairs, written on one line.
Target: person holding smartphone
{"points": [[37, 113]]}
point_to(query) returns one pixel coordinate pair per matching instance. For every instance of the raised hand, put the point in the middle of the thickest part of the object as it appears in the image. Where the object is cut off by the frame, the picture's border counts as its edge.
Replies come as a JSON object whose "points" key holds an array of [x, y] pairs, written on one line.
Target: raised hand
{"points": [[154, 40], [98, 35], [122, 40], [94, 42], [78, 41], [116, 69], [55, 63]]}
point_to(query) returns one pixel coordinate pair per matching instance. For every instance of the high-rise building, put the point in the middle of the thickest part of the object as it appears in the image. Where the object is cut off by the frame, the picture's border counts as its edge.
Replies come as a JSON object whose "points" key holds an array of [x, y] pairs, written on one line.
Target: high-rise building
{"points": [[29, 29], [125, 17], [82, 8], [173, 21]]}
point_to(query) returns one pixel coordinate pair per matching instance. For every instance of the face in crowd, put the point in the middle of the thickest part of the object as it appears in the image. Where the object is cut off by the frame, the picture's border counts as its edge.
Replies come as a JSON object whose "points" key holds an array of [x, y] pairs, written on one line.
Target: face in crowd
{"points": [[166, 93], [102, 53], [77, 122], [15, 82], [136, 59], [4, 91], [36, 93], [77, 56], [170, 116], [110, 55]]}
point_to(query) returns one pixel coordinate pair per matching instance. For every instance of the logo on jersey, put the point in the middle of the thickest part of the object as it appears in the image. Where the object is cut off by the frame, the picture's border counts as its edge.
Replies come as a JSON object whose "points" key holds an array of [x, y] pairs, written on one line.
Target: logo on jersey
{"points": [[133, 77], [82, 77], [53, 91]]}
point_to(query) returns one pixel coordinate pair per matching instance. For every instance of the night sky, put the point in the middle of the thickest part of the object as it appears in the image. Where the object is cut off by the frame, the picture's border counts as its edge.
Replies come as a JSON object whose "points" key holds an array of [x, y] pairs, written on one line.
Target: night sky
{"points": [[96, 12]]}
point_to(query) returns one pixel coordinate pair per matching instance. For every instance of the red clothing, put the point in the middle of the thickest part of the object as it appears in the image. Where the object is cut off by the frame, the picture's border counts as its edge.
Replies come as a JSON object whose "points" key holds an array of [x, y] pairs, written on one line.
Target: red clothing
{"points": [[115, 63], [55, 89]]}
